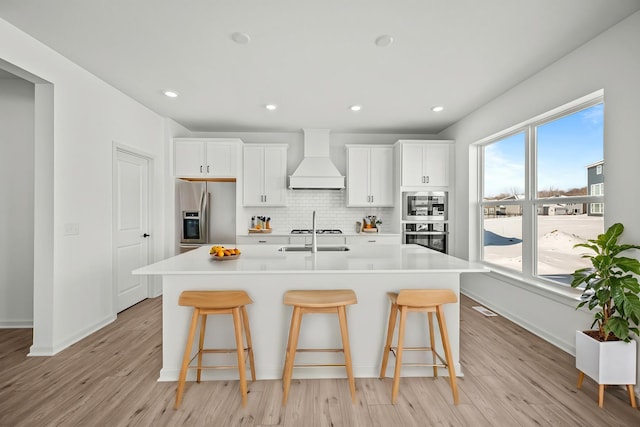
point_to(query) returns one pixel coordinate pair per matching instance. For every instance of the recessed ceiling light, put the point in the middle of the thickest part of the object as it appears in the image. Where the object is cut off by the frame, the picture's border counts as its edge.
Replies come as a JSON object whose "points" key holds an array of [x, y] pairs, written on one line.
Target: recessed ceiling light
{"points": [[240, 38], [271, 107], [384, 40], [355, 107], [437, 108], [171, 93]]}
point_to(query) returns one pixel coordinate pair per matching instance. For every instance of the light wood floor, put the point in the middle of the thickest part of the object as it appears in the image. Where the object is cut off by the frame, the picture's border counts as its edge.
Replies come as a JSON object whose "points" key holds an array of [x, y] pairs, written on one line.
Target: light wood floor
{"points": [[109, 379]]}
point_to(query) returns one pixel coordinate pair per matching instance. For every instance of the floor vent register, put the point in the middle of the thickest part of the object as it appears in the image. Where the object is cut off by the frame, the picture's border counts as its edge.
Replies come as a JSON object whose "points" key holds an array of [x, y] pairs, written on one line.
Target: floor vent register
{"points": [[485, 311]]}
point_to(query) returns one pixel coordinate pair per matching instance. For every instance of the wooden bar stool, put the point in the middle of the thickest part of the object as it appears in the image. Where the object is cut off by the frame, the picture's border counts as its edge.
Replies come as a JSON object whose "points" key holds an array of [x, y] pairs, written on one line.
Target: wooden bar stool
{"points": [[426, 301], [205, 303], [317, 301]]}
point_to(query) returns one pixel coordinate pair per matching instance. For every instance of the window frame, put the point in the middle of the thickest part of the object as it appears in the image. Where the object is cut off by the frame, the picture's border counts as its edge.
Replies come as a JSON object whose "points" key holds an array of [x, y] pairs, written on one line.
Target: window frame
{"points": [[531, 202]]}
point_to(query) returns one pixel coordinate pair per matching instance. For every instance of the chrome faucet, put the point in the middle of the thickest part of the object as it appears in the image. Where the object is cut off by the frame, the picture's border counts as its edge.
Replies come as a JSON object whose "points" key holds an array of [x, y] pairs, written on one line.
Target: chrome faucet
{"points": [[314, 243]]}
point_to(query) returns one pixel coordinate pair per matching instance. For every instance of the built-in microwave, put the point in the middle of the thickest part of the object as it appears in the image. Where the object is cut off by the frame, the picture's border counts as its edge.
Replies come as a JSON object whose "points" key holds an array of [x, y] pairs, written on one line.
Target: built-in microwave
{"points": [[424, 206]]}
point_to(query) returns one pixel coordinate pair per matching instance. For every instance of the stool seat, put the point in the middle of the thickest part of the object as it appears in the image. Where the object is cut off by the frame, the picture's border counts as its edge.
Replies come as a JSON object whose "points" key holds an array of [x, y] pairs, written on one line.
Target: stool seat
{"points": [[205, 303], [320, 298], [317, 301], [427, 301], [214, 299]]}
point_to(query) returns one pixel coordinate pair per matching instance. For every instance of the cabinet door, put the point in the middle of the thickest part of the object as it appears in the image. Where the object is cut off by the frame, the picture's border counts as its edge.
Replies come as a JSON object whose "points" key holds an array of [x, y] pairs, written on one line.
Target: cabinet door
{"points": [[381, 176], [436, 165], [253, 174], [188, 159], [358, 193], [412, 159], [275, 176], [220, 159]]}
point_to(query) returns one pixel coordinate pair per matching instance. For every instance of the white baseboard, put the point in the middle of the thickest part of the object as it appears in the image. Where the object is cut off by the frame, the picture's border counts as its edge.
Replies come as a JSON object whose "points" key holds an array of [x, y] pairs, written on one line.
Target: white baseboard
{"points": [[58, 347], [568, 347], [16, 324]]}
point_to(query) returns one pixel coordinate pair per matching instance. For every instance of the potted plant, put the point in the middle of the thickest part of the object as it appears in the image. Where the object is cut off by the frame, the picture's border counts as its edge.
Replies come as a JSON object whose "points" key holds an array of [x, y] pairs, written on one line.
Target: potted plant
{"points": [[608, 354]]}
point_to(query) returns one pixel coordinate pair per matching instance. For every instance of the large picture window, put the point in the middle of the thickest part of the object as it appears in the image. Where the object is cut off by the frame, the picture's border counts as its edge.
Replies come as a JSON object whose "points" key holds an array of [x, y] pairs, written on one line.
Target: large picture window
{"points": [[541, 192]]}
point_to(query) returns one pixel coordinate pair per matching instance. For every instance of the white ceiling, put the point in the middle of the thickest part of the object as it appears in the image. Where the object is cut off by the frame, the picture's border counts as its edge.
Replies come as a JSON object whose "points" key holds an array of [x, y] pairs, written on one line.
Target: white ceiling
{"points": [[315, 58]]}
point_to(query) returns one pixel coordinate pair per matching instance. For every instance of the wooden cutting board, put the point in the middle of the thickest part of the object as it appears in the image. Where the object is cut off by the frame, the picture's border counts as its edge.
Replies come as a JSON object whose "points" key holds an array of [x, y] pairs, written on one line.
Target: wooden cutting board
{"points": [[260, 230]]}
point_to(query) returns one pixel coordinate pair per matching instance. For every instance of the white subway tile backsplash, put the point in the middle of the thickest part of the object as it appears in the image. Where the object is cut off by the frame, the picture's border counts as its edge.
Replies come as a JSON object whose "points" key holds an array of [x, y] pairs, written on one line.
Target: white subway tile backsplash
{"points": [[330, 208]]}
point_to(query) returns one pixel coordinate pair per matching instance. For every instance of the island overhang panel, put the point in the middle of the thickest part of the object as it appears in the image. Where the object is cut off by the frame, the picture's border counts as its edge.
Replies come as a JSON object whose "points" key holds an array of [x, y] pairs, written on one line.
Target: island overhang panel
{"points": [[266, 274]]}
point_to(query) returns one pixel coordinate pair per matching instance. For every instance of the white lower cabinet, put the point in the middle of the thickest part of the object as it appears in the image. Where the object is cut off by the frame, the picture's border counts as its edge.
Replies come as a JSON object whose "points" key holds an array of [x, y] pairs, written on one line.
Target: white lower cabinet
{"points": [[257, 239], [374, 238], [321, 240]]}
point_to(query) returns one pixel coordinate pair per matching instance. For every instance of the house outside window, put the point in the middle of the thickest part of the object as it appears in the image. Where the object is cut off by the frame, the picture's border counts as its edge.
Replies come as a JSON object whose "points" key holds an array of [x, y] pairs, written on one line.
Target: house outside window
{"points": [[544, 198], [595, 177]]}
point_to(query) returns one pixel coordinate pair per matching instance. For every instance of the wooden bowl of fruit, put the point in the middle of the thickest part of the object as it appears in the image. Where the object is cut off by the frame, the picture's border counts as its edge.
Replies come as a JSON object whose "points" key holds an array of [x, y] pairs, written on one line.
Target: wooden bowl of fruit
{"points": [[220, 253]]}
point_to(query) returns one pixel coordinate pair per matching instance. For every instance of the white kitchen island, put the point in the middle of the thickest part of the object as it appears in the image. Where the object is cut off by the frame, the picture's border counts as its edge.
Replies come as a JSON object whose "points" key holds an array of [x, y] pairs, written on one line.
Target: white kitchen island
{"points": [[266, 273]]}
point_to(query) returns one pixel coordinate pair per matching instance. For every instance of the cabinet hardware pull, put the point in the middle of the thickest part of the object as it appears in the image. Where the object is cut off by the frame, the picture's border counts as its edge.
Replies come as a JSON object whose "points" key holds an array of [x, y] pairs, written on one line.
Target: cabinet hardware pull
{"points": [[262, 241], [207, 168], [427, 179], [145, 235], [200, 168], [423, 179]]}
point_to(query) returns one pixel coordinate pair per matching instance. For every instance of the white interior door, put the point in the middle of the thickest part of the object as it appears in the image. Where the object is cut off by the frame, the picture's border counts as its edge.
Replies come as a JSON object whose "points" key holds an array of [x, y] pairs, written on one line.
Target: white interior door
{"points": [[131, 186]]}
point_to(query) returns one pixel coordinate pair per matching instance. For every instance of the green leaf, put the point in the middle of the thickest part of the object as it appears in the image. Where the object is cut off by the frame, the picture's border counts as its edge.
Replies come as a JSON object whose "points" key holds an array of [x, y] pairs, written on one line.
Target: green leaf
{"points": [[631, 284], [612, 234], [622, 248], [631, 306], [627, 264], [619, 327]]}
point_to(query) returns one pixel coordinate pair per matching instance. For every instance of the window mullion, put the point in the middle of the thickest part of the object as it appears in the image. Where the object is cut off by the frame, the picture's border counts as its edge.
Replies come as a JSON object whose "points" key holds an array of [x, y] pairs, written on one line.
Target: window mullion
{"points": [[528, 211]]}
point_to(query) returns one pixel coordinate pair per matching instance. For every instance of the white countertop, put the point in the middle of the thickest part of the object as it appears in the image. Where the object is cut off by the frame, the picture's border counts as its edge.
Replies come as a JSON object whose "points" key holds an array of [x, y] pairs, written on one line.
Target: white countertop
{"points": [[266, 259]]}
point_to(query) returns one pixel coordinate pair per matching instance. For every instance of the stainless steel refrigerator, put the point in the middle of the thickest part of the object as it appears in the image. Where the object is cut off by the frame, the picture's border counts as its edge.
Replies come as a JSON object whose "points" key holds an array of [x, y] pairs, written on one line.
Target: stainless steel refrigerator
{"points": [[206, 213]]}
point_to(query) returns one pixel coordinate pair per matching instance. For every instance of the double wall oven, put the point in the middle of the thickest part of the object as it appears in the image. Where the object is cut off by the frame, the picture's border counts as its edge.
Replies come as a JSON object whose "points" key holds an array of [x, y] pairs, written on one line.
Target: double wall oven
{"points": [[425, 219]]}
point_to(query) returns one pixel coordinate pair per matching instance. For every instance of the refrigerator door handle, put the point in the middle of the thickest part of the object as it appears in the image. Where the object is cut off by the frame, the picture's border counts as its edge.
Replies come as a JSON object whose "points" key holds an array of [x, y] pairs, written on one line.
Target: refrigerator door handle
{"points": [[203, 214]]}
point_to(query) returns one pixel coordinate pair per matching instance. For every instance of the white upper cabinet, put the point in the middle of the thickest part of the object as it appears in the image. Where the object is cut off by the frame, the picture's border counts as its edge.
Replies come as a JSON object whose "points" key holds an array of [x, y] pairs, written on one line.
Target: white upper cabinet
{"points": [[265, 175], [205, 157], [425, 164], [369, 175]]}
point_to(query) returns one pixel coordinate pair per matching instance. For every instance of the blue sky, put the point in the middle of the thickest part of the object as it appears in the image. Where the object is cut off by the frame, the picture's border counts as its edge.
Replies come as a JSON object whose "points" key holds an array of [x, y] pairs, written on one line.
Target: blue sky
{"points": [[565, 147]]}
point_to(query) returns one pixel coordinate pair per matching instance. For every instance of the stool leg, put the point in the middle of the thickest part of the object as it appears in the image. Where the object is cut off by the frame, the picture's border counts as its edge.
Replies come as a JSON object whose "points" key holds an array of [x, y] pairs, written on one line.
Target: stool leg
{"points": [[346, 348], [396, 372], [247, 334], [447, 352], [186, 358], [237, 326], [286, 353], [580, 379], [393, 314], [432, 343], [291, 352], [600, 395], [632, 396], [203, 328]]}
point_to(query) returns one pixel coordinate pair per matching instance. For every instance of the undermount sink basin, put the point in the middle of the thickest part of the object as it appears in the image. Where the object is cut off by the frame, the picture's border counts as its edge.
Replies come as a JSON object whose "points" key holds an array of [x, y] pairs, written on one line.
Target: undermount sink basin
{"points": [[308, 249]]}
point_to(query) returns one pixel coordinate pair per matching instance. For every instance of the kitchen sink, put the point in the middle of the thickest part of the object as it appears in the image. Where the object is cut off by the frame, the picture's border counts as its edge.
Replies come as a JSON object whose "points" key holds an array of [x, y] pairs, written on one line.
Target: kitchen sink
{"points": [[308, 249]]}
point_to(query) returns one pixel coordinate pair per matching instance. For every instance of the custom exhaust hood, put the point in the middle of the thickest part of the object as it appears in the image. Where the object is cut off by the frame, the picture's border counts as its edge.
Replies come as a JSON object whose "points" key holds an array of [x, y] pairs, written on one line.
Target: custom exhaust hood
{"points": [[316, 170]]}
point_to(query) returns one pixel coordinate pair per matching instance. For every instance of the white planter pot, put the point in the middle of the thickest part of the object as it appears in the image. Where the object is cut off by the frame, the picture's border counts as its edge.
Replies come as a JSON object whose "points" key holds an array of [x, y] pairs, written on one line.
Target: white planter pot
{"points": [[611, 362]]}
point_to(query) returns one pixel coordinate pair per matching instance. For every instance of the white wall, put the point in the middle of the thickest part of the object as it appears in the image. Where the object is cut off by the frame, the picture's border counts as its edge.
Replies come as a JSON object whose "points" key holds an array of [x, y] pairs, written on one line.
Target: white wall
{"points": [[88, 117], [610, 61], [16, 202]]}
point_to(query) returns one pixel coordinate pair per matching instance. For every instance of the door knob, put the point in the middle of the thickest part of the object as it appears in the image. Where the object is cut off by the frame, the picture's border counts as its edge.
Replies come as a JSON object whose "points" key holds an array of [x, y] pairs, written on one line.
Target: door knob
{"points": [[146, 235]]}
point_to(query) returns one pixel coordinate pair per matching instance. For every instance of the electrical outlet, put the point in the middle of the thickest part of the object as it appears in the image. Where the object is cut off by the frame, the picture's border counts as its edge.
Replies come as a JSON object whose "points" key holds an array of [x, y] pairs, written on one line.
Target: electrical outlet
{"points": [[71, 229]]}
